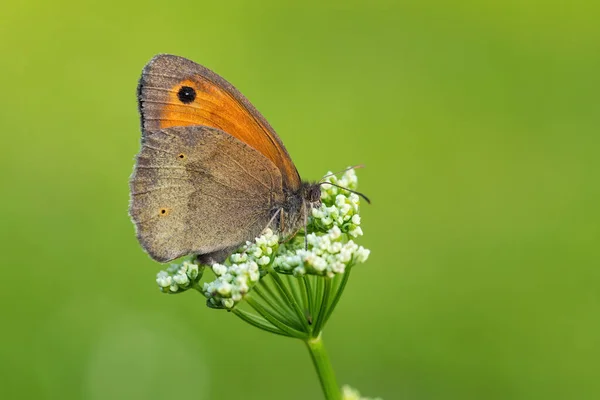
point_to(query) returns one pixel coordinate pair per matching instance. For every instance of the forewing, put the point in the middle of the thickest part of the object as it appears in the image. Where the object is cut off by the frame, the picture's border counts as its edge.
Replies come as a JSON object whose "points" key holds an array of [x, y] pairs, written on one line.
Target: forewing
{"points": [[199, 190], [174, 91]]}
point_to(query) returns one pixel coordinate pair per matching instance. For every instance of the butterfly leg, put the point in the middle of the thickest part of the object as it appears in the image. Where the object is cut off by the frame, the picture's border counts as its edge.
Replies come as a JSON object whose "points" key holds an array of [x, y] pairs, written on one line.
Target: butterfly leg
{"points": [[305, 214], [281, 227], [278, 212]]}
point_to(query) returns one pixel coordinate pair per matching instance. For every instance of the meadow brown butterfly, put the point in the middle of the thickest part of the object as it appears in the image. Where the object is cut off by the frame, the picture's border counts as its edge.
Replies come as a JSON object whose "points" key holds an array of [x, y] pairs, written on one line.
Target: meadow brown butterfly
{"points": [[211, 173]]}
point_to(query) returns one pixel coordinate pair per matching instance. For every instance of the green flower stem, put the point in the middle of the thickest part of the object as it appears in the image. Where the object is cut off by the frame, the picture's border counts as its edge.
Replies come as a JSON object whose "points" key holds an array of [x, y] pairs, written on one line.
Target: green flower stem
{"points": [[266, 314], [318, 298], [257, 322], [294, 286], [267, 286], [323, 307], [289, 297], [278, 311], [323, 367], [306, 298], [338, 293]]}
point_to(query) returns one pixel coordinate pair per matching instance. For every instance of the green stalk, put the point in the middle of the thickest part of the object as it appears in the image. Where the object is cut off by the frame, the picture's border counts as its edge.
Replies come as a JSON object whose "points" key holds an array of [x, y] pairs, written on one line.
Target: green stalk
{"points": [[319, 287], [323, 367], [306, 299], [258, 322], [267, 285], [277, 309], [294, 286], [283, 289], [323, 307], [266, 314], [338, 294]]}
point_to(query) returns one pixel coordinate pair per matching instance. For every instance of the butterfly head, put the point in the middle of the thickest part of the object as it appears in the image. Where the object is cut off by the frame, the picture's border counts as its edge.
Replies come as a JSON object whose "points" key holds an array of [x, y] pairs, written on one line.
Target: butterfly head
{"points": [[312, 194]]}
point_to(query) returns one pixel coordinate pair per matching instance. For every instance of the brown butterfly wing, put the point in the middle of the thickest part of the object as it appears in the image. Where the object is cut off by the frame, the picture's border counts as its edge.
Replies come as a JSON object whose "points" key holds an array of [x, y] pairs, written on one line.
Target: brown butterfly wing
{"points": [[174, 91], [199, 190]]}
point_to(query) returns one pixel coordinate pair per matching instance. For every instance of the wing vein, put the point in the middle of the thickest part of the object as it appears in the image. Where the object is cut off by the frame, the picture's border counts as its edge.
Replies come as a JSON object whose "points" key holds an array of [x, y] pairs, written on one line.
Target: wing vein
{"points": [[252, 176], [161, 188]]}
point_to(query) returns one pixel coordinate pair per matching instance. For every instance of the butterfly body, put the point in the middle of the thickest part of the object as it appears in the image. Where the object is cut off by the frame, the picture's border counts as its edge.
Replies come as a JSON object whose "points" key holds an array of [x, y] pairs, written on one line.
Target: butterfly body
{"points": [[211, 173], [296, 206]]}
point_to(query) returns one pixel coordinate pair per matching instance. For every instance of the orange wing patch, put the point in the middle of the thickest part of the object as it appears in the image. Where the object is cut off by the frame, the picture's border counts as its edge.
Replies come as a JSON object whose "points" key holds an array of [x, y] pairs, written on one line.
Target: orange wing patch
{"points": [[175, 91]]}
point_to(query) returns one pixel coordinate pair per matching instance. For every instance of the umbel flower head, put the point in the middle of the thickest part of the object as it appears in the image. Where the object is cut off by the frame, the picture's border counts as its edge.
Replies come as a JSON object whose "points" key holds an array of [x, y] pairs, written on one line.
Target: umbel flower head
{"points": [[179, 277], [289, 287], [303, 271]]}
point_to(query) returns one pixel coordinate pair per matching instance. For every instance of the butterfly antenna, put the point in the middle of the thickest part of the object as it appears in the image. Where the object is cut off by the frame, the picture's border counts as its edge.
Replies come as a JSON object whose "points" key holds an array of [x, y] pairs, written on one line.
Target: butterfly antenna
{"points": [[350, 190], [342, 171]]}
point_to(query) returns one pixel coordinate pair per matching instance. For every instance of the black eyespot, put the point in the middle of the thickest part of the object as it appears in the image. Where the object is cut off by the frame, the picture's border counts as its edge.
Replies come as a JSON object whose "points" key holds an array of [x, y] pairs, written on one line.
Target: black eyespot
{"points": [[186, 94], [181, 155], [163, 211]]}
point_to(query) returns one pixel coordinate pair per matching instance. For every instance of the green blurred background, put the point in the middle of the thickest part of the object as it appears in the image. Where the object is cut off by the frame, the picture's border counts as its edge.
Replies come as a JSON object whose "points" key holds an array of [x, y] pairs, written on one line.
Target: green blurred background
{"points": [[479, 126]]}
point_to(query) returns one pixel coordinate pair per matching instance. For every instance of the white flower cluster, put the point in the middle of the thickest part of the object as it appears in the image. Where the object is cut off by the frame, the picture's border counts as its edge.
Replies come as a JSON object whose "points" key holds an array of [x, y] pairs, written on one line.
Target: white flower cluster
{"points": [[178, 277], [329, 251], [243, 270], [327, 254], [349, 393], [343, 214], [339, 207]]}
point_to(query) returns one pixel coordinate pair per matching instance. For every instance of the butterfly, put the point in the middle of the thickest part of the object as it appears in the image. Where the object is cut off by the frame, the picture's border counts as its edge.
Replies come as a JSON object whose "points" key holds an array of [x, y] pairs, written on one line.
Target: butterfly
{"points": [[211, 173]]}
